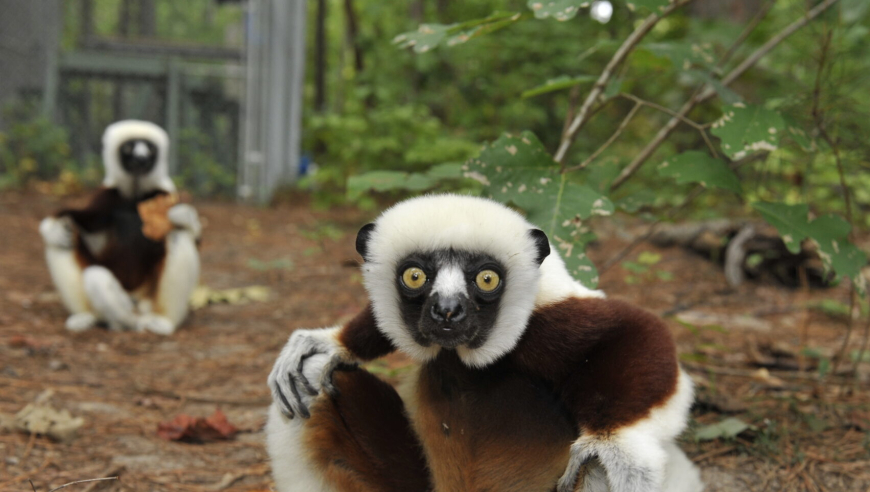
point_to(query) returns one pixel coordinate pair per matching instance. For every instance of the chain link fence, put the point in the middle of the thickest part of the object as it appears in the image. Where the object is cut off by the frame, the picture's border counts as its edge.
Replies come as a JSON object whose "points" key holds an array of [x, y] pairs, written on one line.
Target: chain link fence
{"points": [[69, 68]]}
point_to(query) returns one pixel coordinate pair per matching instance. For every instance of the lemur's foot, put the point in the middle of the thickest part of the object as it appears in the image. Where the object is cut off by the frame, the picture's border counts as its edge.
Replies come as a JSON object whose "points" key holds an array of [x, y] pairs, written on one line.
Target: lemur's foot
{"points": [[81, 322], [155, 324]]}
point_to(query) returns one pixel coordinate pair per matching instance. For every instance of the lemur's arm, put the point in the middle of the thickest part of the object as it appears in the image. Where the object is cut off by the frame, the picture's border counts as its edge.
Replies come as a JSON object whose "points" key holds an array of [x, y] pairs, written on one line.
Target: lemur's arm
{"points": [[59, 230], [97, 215], [322, 352], [615, 368]]}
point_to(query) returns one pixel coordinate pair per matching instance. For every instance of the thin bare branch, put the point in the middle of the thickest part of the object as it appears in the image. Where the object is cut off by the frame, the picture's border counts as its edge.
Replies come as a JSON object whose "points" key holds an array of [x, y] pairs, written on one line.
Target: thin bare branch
{"points": [[84, 481], [703, 95], [582, 116], [756, 20], [701, 128], [609, 141]]}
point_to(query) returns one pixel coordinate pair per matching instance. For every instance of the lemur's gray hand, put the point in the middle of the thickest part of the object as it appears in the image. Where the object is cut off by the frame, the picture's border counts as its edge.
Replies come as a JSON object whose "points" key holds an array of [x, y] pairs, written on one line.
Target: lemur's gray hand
{"points": [[57, 232], [184, 216], [304, 369]]}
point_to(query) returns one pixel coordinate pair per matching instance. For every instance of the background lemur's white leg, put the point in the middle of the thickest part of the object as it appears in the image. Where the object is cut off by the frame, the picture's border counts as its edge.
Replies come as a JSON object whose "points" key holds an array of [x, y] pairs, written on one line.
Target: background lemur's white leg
{"points": [[180, 276], [111, 303], [66, 273]]}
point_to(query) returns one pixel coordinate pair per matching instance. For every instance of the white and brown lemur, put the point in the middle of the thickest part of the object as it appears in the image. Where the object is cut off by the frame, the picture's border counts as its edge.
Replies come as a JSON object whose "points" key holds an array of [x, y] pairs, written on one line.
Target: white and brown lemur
{"points": [[524, 379]]}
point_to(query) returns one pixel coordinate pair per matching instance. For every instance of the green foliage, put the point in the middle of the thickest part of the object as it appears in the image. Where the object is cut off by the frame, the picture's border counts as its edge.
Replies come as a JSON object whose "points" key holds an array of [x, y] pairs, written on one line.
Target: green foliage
{"points": [[34, 150], [830, 232], [679, 54], [199, 168], [405, 148], [429, 36], [698, 167]]}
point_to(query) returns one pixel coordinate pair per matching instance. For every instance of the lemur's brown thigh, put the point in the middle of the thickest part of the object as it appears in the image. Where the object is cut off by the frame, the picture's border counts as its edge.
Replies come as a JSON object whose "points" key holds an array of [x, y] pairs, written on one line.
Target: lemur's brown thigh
{"points": [[362, 439]]}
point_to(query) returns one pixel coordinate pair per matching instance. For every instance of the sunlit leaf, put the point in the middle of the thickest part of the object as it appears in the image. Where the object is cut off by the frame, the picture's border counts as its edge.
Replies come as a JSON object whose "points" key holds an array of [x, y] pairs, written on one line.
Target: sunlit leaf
{"points": [[699, 167], [745, 129], [557, 84], [651, 5], [561, 10], [429, 36]]}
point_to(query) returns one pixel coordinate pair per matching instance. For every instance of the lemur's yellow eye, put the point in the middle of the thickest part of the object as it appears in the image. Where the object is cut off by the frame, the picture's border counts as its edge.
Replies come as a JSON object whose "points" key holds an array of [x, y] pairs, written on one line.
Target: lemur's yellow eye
{"points": [[487, 280], [414, 278]]}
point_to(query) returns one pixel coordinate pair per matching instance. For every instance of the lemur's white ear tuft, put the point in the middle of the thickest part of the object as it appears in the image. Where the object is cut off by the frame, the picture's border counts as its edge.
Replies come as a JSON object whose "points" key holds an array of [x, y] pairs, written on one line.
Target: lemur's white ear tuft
{"points": [[116, 177]]}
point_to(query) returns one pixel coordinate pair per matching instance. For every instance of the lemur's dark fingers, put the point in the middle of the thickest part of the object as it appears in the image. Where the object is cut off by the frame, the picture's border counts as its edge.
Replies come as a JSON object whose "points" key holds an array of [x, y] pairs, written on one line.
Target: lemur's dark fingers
{"points": [[305, 383], [285, 406], [303, 410]]}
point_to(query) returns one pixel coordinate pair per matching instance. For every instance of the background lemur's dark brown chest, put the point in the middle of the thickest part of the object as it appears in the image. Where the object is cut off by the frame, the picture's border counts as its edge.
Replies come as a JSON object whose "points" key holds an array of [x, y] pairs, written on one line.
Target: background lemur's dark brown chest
{"points": [[134, 259], [490, 429]]}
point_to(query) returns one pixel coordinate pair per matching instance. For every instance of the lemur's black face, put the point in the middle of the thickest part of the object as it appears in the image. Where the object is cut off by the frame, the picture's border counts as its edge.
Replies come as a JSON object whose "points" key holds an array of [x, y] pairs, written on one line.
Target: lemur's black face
{"points": [[138, 156], [450, 298]]}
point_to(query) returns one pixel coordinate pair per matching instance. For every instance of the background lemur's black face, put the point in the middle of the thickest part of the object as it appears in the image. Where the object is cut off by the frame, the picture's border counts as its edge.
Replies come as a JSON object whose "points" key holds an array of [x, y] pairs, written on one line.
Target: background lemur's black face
{"points": [[138, 156], [450, 298]]}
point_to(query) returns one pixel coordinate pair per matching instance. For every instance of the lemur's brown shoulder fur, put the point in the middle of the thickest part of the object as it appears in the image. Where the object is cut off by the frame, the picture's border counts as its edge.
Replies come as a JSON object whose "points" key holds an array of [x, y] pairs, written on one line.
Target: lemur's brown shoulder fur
{"points": [[611, 362]]}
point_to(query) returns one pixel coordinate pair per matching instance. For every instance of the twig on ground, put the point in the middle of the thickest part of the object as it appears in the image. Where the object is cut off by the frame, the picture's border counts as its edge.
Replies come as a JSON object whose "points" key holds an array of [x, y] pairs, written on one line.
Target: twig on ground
{"points": [[84, 481], [864, 343], [703, 95]]}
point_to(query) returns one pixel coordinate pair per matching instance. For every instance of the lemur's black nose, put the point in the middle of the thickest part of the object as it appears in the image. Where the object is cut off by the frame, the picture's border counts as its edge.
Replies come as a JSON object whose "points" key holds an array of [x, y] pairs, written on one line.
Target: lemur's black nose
{"points": [[450, 309]]}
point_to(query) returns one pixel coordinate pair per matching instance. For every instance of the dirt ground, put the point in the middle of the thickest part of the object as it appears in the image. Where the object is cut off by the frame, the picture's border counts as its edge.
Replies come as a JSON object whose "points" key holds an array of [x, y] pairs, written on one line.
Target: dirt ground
{"points": [[808, 433]]}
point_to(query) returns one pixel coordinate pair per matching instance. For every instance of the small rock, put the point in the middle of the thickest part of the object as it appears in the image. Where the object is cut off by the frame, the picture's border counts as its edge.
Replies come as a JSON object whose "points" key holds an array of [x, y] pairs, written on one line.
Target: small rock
{"points": [[57, 365]]}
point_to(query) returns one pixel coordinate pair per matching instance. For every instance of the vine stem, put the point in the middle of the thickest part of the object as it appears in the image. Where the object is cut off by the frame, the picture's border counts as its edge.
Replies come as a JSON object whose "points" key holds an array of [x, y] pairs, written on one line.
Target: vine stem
{"points": [[582, 116], [705, 94]]}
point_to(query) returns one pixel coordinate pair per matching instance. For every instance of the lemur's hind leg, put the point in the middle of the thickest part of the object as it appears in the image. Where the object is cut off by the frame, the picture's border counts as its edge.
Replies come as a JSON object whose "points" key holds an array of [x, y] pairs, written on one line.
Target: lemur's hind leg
{"points": [[110, 302], [357, 441], [66, 272], [180, 276]]}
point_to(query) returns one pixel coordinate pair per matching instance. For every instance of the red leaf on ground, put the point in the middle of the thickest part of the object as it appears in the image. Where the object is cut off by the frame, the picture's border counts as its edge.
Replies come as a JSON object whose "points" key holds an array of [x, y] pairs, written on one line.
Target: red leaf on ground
{"points": [[197, 429]]}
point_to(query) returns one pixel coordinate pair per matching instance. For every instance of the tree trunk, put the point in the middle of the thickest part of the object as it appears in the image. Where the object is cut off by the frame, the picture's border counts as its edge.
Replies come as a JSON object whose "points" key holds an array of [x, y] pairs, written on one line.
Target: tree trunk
{"points": [[353, 35], [320, 58]]}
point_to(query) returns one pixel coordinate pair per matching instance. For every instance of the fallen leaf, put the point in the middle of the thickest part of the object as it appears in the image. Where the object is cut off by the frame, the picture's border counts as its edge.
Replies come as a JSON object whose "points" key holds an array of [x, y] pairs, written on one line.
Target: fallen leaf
{"points": [[726, 429], [203, 296], [197, 429], [42, 419]]}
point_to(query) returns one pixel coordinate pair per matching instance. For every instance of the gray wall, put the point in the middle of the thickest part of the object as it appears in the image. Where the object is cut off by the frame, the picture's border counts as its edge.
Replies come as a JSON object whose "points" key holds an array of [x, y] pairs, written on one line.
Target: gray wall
{"points": [[29, 36]]}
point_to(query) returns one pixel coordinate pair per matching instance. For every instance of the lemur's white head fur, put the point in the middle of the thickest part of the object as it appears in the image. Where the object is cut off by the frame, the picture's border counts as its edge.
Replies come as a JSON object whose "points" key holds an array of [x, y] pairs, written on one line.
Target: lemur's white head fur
{"points": [[463, 223], [114, 137]]}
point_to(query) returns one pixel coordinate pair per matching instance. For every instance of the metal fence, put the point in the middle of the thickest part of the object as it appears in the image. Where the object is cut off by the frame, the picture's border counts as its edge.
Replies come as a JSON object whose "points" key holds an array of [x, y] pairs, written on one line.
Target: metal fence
{"points": [[222, 76]]}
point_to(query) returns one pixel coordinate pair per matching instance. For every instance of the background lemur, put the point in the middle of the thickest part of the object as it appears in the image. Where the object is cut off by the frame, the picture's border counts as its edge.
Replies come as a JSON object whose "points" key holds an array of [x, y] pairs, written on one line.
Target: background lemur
{"points": [[130, 257], [526, 380]]}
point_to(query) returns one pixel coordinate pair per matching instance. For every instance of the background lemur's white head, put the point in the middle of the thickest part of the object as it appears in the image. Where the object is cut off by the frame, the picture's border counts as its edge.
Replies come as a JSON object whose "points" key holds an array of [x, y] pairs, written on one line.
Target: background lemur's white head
{"points": [[456, 272], [136, 158]]}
